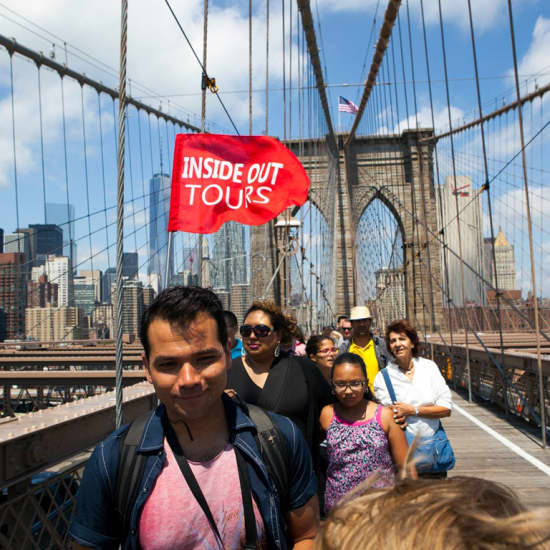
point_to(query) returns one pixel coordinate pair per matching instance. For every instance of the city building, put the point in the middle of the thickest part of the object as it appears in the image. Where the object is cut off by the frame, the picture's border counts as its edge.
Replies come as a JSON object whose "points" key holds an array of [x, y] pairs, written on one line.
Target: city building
{"points": [[229, 260], [3, 324], [130, 264], [46, 240], [49, 324], [41, 293], [18, 243], [58, 270], [461, 208], [103, 321], [13, 292], [93, 277], [390, 296], [1, 240], [132, 306], [62, 215], [148, 296], [241, 300], [84, 292], [159, 208], [107, 281], [184, 278], [505, 262]]}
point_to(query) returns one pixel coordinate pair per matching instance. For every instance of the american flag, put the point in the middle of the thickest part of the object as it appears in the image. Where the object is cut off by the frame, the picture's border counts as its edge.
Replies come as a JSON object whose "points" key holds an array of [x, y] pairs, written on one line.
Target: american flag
{"points": [[347, 106]]}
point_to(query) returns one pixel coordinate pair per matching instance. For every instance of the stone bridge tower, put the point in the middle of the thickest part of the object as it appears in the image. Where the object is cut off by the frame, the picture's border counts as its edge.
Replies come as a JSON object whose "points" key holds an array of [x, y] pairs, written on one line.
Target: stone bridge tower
{"points": [[396, 169]]}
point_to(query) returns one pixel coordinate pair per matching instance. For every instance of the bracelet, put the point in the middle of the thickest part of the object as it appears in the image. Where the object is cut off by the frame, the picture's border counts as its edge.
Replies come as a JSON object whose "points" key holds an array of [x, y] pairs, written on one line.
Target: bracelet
{"points": [[416, 411]]}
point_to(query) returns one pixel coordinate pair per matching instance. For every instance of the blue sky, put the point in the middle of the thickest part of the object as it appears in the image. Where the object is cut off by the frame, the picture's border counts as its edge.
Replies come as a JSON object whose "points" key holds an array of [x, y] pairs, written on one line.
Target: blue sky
{"points": [[165, 74]]}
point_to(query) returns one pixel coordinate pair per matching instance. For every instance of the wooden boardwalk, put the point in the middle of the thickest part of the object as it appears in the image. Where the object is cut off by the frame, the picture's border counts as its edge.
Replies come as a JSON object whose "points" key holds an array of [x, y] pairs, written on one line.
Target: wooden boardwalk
{"points": [[480, 454]]}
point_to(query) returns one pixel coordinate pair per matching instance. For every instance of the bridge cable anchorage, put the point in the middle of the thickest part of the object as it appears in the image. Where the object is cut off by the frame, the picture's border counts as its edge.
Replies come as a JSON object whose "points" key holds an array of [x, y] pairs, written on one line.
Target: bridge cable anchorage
{"points": [[529, 227], [385, 33], [203, 68]]}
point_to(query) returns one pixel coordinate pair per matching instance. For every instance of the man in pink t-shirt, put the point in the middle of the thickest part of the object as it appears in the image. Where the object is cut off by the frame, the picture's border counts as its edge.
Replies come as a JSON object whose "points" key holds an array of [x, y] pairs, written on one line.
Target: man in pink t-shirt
{"points": [[197, 437]]}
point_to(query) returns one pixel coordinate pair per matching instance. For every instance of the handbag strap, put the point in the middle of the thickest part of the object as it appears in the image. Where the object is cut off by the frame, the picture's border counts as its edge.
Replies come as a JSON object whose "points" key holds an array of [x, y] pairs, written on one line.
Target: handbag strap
{"points": [[389, 385], [251, 535]]}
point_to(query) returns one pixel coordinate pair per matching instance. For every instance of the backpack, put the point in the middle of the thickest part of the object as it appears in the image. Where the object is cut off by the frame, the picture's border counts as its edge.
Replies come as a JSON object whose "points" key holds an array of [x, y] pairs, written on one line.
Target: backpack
{"points": [[270, 441]]}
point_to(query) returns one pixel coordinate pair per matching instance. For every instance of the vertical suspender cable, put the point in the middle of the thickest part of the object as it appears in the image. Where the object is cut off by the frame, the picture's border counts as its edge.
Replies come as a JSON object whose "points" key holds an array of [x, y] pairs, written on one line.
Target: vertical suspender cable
{"points": [[85, 151], [120, 205], [290, 71], [530, 230], [284, 70], [487, 188], [456, 200], [249, 67], [267, 68], [108, 247], [42, 142], [69, 221], [203, 116]]}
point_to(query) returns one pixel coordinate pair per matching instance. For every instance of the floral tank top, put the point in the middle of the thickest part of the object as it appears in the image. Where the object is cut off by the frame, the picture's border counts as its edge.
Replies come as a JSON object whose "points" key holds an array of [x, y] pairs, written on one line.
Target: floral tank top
{"points": [[355, 450]]}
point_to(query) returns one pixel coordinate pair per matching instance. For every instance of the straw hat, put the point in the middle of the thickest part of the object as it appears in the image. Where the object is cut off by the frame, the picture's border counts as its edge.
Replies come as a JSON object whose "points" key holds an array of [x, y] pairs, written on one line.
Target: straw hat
{"points": [[360, 312]]}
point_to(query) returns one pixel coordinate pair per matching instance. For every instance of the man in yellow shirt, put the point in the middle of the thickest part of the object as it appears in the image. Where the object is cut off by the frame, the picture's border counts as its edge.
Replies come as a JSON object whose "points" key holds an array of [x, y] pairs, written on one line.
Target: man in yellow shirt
{"points": [[372, 349]]}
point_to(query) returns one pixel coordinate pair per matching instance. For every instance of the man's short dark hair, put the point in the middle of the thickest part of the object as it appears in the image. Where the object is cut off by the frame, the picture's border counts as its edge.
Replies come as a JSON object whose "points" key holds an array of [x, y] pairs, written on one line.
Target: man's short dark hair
{"points": [[231, 319], [342, 318], [180, 306]]}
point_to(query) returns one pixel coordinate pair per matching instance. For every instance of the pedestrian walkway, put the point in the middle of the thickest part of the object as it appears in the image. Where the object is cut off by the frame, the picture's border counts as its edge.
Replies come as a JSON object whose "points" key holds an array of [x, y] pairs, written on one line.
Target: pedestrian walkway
{"points": [[487, 445]]}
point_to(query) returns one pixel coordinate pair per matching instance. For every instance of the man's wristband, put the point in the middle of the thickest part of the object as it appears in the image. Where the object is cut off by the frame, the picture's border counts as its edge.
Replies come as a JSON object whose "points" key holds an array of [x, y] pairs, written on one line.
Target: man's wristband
{"points": [[416, 411]]}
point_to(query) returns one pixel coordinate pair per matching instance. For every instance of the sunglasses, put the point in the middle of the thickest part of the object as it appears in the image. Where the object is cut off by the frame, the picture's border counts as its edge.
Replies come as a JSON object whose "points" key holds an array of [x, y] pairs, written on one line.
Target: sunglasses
{"points": [[261, 331], [327, 350]]}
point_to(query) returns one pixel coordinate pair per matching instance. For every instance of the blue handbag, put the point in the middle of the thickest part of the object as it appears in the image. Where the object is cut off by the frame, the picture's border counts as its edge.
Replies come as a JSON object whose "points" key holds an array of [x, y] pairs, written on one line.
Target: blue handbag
{"points": [[432, 454]]}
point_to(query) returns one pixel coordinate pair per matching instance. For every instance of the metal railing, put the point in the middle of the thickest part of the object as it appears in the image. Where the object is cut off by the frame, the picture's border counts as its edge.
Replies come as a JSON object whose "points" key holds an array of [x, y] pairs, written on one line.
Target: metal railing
{"points": [[36, 514], [511, 385]]}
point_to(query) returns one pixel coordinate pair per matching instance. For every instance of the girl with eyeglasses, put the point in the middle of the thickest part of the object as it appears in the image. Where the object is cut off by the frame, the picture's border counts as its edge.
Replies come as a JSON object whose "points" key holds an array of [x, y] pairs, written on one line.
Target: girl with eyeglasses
{"points": [[361, 436], [275, 380]]}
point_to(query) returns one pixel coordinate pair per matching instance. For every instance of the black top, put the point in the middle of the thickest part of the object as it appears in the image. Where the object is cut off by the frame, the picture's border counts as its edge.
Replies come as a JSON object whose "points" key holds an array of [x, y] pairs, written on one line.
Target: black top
{"points": [[294, 388]]}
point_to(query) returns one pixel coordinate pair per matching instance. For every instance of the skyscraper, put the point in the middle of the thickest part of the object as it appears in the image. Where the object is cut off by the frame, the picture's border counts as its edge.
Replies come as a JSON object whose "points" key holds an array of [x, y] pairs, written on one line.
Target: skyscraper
{"points": [[228, 260], [505, 262], [459, 201], [159, 208], [62, 215], [58, 270], [13, 292]]}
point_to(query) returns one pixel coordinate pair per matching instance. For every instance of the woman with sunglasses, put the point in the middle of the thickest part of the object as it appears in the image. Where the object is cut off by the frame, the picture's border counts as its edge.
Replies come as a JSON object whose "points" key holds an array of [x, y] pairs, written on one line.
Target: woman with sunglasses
{"points": [[322, 351], [361, 435], [274, 380]]}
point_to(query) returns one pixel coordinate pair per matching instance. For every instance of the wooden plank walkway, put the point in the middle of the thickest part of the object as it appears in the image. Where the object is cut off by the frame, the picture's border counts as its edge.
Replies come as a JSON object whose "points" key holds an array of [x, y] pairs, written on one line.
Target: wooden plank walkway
{"points": [[480, 454]]}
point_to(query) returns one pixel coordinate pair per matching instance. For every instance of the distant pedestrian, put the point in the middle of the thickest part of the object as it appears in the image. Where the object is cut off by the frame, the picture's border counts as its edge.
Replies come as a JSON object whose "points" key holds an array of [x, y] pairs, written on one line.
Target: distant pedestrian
{"points": [[322, 351], [232, 325], [361, 436], [371, 348]]}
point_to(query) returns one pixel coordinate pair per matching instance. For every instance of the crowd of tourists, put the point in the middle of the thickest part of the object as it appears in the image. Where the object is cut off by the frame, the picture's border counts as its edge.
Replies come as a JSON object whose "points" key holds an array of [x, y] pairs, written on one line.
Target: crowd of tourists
{"points": [[259, 433]]}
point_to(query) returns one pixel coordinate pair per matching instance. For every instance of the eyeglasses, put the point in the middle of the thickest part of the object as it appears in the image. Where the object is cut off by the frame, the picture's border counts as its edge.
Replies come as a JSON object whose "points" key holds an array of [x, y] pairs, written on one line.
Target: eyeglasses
{"points": [[261, 331], [353, 385], [327, 350], [346, 329]]}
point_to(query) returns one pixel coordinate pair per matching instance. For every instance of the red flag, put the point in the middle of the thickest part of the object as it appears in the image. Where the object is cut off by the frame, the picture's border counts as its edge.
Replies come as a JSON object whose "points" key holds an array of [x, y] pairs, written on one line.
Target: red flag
{"points": [[217, 178]]}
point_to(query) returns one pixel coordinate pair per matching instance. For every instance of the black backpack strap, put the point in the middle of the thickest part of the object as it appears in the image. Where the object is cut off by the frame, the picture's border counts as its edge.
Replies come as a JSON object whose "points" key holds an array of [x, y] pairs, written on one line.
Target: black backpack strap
{"points": [[274, 451], [130, 470]]}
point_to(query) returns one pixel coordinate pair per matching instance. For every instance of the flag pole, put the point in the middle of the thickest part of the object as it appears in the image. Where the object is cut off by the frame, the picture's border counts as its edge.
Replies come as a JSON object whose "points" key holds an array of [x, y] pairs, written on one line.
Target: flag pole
{"points": [[169, 250]]}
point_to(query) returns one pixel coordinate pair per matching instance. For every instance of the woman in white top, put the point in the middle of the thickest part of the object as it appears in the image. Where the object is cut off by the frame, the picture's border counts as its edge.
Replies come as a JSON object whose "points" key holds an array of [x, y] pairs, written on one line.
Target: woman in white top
{"points": [[423, 396]]}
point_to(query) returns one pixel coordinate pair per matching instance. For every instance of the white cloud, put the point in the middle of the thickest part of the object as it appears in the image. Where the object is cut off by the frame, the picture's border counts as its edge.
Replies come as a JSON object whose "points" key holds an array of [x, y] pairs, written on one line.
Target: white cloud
{"points": [[424, 116], [536, 60], [486, 13]]}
